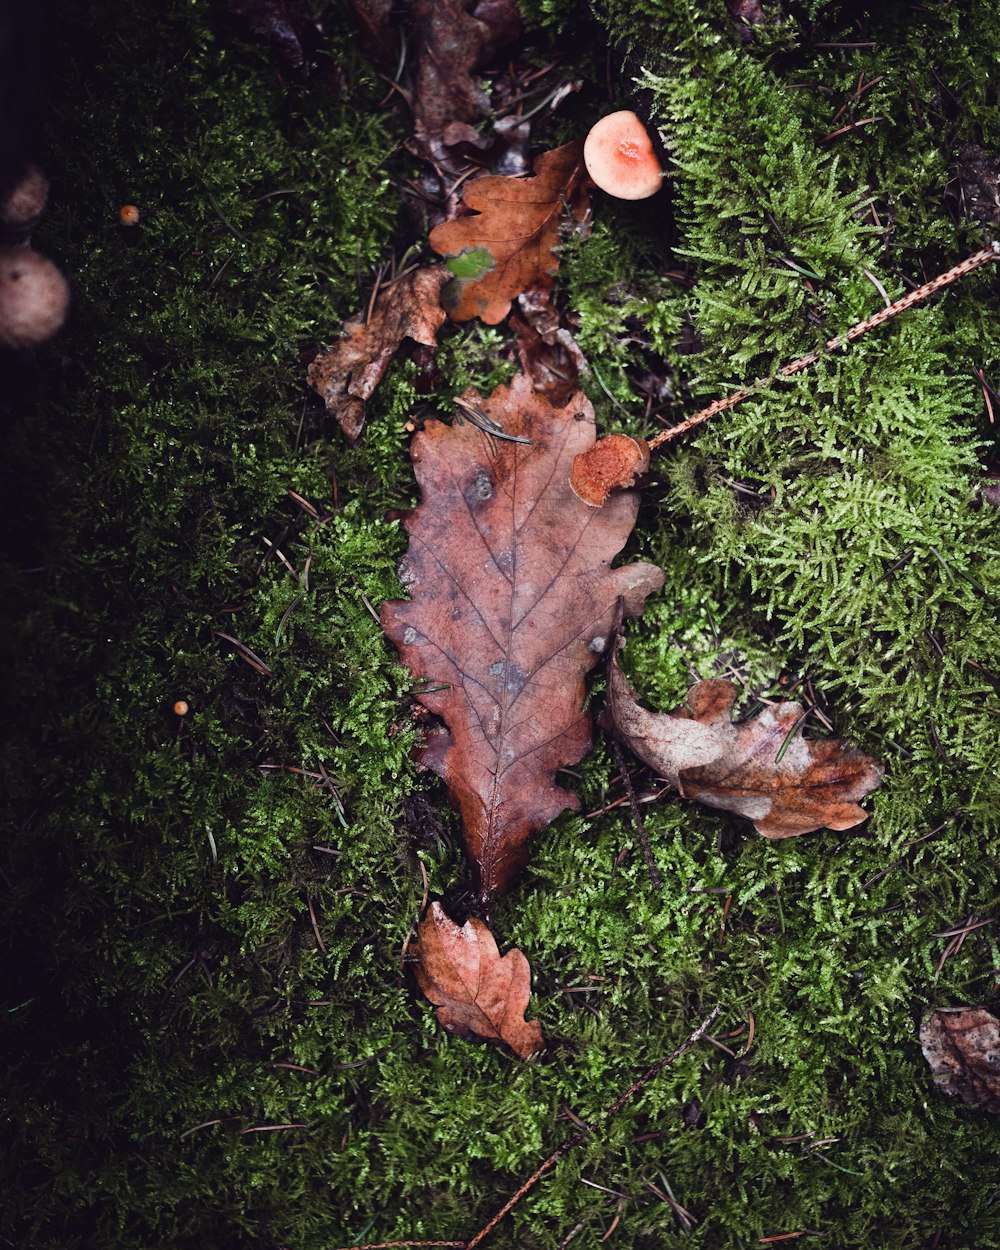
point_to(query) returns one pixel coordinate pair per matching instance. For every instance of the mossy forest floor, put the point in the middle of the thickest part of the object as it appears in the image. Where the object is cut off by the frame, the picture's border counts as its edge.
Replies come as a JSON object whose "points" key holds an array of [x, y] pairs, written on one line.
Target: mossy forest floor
{"points": [[209, 1038]]}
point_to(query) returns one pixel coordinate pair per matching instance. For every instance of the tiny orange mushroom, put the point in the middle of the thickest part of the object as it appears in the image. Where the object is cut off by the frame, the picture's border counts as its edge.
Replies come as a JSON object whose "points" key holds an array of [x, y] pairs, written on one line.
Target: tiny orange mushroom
{"points": [[181, 707], [620, 158], [128, 215]]}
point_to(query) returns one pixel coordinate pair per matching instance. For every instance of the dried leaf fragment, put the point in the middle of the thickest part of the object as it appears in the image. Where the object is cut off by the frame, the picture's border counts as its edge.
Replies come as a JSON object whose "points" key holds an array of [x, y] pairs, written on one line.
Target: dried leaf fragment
{"points": [[347, 373], [453, 38], [548, 353], [282, 24], [962, 1046], [513, 602], [508, 244], [477, 993], [761, 768]]}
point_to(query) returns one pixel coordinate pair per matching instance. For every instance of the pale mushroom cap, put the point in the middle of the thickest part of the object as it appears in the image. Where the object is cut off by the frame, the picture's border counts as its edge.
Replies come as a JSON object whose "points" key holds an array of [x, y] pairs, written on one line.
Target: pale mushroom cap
{"points": [[23, 204], [620, 158], [34, 297]]}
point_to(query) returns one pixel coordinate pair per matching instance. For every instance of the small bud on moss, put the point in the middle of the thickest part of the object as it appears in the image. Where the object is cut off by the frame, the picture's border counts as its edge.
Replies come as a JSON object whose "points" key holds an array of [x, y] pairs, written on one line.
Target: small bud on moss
{"points": [[34, 298]]}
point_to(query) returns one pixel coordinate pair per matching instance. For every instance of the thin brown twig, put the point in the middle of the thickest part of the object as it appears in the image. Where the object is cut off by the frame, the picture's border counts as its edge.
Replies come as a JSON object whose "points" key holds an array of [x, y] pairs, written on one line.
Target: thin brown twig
{"points": [[637, 820], [547, 1164], [977, 259]]}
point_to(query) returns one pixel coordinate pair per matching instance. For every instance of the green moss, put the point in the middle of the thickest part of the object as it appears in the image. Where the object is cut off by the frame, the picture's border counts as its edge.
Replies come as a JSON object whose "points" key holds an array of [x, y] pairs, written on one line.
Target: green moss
{"points": [[205, 919]]}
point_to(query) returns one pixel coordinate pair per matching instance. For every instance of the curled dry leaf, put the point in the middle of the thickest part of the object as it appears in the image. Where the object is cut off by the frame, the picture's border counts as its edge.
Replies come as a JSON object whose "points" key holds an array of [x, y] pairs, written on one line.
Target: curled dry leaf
{"points": [[507, 246], [346, 374], [962, 1046], [478, 994], [514, 599], [815, 784]]}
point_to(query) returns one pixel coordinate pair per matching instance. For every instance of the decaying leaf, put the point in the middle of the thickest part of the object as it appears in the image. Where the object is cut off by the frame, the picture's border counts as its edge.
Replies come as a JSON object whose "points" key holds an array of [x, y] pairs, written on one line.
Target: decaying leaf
{"points": [[761, 768], [478, 994], [282, 24], [507, 246], [346, 374], [962, 1046], [378, 33], [513, 601], [746, 14], [548, 353], [452, 38]]}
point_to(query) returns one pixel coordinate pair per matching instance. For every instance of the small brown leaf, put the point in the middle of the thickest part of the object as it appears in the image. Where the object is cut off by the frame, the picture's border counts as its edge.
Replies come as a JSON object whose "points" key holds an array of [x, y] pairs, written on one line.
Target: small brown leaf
{"points": [[477, 994], [347, 373], [378, 33], [746, 14], [975, 187], [962, 1046], [514, 599], [508, 245], [815, 784]]}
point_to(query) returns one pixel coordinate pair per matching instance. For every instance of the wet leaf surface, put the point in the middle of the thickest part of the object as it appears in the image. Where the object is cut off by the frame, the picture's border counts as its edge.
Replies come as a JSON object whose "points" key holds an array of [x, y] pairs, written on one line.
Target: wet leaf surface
{"points": [[513, 601], [515, 226], [962, 1046], [761, 768], [347, 373], [478, 993]]}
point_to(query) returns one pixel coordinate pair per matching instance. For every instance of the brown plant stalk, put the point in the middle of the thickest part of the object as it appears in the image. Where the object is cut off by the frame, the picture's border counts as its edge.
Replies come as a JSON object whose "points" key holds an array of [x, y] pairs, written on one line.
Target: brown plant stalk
{"points": [[547, 1164]]}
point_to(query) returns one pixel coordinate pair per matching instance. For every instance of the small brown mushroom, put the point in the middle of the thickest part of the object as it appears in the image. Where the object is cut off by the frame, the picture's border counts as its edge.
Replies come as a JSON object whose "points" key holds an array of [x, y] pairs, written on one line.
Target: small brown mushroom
{"points": [[620, 158], [34, 298]]}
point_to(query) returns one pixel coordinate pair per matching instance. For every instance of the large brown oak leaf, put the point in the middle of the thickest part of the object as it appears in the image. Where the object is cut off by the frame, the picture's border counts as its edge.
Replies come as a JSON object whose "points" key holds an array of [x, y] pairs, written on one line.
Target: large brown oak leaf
{"points": [[761, 768], [513, 601], [507, 246], [478, 994]]}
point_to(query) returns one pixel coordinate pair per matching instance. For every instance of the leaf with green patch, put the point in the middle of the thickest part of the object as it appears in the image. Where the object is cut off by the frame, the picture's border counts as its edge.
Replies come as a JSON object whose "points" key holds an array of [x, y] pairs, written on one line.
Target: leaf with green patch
{"points": [[516, 223]]}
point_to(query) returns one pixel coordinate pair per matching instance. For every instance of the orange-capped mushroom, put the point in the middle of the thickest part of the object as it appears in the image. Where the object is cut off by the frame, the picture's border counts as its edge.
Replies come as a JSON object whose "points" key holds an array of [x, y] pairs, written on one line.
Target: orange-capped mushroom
{"points": [[620, 158]]}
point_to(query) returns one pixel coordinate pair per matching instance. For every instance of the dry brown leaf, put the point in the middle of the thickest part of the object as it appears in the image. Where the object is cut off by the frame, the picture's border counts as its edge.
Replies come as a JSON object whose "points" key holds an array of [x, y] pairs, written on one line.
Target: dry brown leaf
{"points": [[548, 353], [513, 601], [478, 994], [706, 757], [962, 1046], [452, 38], [282, 24], [346, 374], [378, 33], [507, 246]]}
